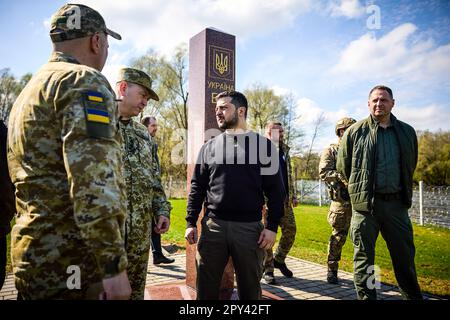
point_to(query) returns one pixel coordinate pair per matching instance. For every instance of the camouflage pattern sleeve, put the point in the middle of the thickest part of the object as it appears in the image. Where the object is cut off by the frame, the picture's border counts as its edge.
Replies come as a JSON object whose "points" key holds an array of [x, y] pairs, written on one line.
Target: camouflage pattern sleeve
{"points": [[327, 165], [92, 158], [160, 205], [291, 180]]}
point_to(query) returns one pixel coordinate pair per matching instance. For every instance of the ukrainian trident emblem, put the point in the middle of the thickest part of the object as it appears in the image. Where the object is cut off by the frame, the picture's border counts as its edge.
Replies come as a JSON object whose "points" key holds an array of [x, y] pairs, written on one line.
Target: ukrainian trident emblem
{"points": [[221, 63]]}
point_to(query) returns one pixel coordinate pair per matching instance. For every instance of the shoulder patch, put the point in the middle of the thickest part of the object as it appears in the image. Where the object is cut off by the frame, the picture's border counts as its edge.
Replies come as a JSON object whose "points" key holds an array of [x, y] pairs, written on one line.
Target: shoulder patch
{"points": [[97, 115]]}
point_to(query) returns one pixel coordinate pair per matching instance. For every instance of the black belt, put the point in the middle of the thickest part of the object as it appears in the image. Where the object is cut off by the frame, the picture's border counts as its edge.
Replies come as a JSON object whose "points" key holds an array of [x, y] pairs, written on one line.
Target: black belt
{"points": [[388, 196]]}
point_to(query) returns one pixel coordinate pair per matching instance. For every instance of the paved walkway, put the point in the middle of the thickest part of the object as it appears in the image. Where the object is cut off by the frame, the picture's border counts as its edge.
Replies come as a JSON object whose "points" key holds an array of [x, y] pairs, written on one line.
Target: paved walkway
{"points": [[308, 282]]}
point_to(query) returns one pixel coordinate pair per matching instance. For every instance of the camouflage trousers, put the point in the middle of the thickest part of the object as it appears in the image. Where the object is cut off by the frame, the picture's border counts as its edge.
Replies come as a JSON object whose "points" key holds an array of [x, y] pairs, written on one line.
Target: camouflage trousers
{"points": [[288, 231], [339, 218], [138, 234]]}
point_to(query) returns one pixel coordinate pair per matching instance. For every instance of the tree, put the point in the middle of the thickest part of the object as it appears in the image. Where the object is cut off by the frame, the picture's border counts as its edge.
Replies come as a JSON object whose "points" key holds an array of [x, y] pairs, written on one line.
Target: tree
{"points": [[10, 89], [305, 166], [170, 83], [292, 133], [264, 106], [310, 166], [433, 165]]}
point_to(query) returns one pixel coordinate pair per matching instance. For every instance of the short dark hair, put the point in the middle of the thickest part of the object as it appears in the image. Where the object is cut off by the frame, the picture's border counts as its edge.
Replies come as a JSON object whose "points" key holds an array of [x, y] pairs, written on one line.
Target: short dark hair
{"points": [[381, 87], [237, 98], [146, 120]]}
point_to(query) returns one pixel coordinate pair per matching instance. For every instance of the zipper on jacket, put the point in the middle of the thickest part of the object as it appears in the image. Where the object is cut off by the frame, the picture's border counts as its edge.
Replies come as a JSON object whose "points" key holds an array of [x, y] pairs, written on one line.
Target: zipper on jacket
{"points": [[374, 153]]}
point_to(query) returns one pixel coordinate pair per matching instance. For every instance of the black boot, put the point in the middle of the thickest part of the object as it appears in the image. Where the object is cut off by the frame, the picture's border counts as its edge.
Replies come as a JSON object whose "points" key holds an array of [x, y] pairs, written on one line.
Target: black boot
{"points": [[269, 278], [332, 277], [160, 258], [283, 268]]}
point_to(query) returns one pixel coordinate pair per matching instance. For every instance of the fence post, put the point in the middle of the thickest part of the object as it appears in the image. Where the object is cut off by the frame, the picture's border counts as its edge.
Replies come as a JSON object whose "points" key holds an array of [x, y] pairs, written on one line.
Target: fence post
{"points": [[320, 194], [421, 202], [170, 187], [301, 191]]}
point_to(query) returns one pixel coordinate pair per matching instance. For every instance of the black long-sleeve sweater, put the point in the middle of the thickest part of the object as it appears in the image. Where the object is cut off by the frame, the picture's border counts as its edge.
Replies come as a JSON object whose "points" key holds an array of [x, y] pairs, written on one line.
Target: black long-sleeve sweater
{"points": [[232, 175]]}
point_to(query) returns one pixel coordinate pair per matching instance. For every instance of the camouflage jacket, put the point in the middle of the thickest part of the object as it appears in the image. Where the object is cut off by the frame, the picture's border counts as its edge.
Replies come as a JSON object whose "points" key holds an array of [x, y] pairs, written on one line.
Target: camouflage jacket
{"points": [[64, 159], [154, 148], [327, 172], [291, 182], [145, 194]]}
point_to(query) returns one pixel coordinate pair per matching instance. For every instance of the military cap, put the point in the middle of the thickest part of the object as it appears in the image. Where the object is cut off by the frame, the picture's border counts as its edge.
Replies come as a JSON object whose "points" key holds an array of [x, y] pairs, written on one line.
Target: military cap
{"points": [[343, 123], [138, 77], [74, 21]]}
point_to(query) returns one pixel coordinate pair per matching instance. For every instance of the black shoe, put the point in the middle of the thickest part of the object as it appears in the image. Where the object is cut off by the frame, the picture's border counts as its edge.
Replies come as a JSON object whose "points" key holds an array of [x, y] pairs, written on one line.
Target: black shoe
{"points": [[332, 277], [159, 259], [283, 268], [269, 278]]}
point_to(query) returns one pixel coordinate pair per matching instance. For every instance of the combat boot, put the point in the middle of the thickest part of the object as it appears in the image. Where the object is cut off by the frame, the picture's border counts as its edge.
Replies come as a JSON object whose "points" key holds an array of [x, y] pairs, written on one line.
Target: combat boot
{"points": [[283, 268], [332, 277], [161, 259], [269, 278]]}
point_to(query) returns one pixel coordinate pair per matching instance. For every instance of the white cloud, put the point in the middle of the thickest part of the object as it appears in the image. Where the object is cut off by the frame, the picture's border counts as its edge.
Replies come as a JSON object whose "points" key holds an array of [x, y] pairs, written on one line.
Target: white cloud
{"points": [[163, 25], [400, 55], [309, 112], [116, 60], [346, 8], [281, 91], [432, 117]]}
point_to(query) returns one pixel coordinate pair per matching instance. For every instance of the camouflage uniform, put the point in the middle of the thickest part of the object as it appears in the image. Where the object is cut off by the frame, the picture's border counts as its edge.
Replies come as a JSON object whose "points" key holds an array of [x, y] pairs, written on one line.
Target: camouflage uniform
{"points": [[145, 196], [340, 213], [287, 223], [65, 161]]}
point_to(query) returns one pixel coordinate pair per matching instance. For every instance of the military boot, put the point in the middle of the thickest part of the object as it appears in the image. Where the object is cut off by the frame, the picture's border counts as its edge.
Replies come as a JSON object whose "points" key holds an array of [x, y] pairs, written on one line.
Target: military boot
{"points": [[269, 278], [283, 268], [161, 259], [332, 277]]}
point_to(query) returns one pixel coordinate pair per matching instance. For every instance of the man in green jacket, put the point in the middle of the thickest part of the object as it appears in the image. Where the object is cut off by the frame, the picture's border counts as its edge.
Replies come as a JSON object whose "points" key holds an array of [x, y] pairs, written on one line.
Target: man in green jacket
{"points": [[378, 156]]}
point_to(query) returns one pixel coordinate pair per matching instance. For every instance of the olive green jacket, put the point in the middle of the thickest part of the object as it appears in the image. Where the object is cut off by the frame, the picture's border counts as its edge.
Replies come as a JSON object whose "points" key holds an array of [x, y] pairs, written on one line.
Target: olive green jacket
{"points": [[356, 160]]}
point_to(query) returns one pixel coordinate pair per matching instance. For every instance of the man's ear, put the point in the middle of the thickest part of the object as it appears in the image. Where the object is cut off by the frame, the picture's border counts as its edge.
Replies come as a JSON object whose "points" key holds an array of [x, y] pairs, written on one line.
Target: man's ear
{"points": [[123, 85], [95, 43], [241, 111]]}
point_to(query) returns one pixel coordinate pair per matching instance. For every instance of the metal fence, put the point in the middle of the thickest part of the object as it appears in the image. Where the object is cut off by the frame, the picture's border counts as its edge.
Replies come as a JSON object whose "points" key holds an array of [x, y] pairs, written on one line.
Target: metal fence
{"points": [[431, 204], [175, 189]]}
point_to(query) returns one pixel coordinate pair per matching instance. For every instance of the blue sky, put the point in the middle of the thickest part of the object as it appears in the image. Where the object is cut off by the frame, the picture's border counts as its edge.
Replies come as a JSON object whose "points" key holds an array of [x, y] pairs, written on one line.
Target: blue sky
{"points": [[326, 53]]}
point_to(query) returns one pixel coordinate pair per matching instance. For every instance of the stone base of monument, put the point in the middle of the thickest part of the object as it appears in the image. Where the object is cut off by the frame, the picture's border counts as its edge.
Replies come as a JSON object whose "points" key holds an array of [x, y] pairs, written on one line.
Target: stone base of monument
{"points": [[180, 291]]}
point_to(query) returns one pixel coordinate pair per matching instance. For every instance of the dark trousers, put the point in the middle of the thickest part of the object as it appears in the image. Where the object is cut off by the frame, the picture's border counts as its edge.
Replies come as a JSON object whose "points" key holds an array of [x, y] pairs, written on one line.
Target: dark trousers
{"points": [[218, 241], [156, 242], [3, 259], [392, 220]]}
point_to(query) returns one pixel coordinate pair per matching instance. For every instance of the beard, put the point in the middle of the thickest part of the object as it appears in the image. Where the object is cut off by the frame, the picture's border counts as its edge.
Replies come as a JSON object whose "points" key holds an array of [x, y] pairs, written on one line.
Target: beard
{"points": [[229, 124]]}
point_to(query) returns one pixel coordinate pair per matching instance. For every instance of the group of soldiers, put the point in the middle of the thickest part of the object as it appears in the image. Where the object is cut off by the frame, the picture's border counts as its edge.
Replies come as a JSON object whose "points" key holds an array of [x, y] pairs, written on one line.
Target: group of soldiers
{"points": [[339, 215], [88, 186], [86, 175]]}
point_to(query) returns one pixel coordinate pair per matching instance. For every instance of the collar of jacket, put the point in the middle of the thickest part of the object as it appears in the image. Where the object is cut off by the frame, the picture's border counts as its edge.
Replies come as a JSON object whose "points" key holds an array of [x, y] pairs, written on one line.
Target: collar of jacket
{"points": [[58, 56], [373, 122]]}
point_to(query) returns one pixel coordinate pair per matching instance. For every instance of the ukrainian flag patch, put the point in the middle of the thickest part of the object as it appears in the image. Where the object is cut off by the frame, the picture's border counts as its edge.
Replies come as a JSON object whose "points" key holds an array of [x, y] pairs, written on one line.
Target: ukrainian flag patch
{"points": [[96, 111], [96, 115], [94, 96]]}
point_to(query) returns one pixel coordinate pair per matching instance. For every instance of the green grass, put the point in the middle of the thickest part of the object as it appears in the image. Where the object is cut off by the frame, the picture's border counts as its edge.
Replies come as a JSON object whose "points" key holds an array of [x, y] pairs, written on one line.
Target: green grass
{"points": [[313, 231]]}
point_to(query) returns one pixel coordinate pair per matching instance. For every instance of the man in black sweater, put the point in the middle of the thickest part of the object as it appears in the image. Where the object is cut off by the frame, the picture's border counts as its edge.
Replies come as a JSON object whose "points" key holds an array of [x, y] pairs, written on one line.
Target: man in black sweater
{"points": [[233, 173]]}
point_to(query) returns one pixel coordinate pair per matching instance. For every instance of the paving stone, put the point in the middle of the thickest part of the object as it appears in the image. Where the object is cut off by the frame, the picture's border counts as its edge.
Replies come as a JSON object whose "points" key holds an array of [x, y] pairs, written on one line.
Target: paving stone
{"points": [[308, 282]]}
